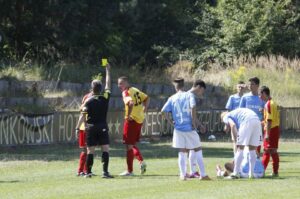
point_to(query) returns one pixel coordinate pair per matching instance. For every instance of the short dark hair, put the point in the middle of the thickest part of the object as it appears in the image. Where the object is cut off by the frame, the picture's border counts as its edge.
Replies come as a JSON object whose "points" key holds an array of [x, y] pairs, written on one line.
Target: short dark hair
{"points": [[96, 86], [265, 89], [179, 82], [200, 83], [241, 82], [255, 80]]}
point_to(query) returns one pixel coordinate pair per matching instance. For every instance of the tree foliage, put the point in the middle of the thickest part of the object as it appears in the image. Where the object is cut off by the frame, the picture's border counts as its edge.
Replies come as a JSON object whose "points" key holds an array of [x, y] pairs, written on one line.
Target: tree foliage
{"points": [[146, 33], [260, 27]]}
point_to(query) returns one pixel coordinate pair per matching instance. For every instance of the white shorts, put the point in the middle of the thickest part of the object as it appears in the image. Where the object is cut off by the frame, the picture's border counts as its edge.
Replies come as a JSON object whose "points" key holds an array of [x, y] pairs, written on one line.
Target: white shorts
{"points": [[186, 140], [250, 133]]}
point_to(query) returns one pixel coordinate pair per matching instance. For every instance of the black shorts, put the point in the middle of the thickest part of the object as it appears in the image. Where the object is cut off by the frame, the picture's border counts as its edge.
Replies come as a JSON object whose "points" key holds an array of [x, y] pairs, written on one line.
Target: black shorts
{"points": [[97, 134]]}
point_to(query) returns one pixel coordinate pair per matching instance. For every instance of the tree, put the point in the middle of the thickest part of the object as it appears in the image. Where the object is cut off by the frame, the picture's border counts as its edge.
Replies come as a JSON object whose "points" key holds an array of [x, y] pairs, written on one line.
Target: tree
{"points": [[259, 27]]}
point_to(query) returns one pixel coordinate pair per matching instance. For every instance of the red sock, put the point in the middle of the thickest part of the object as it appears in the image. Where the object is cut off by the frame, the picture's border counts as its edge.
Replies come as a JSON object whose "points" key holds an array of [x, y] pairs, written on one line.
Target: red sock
{"points": [[130, 157], [137, 154], [275, 158], [258, 149], [265, 159], [82, 159]]}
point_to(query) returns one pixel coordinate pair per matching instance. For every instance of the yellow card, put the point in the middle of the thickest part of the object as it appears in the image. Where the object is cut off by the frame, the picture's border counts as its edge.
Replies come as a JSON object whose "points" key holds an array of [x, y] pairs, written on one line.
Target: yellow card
{"points": [[104, 62]]}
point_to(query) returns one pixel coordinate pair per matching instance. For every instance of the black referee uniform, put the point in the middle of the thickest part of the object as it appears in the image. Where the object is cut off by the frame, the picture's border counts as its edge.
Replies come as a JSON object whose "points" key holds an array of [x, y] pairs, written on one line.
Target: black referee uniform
{"points": [[96, 108]]}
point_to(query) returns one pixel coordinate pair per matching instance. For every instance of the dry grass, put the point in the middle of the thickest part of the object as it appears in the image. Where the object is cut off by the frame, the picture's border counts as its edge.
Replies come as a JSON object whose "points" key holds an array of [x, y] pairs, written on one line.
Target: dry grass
{"points": [[272, 62], [54, 94], [183, 69], [281, 75]]}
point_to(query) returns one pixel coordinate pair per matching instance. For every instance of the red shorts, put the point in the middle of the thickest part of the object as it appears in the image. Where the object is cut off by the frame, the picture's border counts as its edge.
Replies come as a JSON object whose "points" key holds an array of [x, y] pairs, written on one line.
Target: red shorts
{"points": [[273, 139], [131, 132], [82, 139]]}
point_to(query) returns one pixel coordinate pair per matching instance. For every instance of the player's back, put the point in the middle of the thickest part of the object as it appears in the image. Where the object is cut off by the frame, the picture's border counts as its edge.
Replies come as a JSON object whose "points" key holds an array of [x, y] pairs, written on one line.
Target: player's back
{"points": [[96, 108], [137, 97], [181, 104], [241, 115], [271, 113]]}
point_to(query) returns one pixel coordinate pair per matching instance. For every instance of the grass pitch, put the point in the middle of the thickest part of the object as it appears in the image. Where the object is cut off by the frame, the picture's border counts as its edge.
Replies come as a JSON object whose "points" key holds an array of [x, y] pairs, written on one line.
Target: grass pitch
{"points": [[49, 172]]}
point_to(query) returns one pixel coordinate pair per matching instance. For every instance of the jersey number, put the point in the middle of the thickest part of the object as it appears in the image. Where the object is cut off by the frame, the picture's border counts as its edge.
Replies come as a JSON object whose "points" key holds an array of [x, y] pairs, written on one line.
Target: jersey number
{"points": [[137, 99], [181, 111]]}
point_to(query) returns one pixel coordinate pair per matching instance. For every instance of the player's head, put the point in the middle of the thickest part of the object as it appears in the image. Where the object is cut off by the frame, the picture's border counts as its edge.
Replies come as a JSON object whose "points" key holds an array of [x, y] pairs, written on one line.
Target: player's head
{"points": [[178, 83], [240, 87], [223, 114], [96, 86], [226, 127], [265, 93], [123, 83], [199, 87], [254, 84]]}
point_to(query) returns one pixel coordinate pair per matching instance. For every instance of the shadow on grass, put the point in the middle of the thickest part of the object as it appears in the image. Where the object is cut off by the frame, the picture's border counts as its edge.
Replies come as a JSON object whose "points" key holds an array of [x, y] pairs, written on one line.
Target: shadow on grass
{"points": [[71, 152], [291, 154], [9, 181], [146, 176]]}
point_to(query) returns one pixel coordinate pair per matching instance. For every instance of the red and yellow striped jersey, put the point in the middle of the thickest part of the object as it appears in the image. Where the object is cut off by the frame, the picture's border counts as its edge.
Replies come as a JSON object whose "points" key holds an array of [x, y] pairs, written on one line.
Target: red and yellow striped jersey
{"points": [[271, 113], [137, 97]]}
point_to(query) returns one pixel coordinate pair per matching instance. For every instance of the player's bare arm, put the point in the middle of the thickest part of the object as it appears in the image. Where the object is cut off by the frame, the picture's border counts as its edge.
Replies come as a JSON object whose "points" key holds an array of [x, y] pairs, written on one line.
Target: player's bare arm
{"points": [[82, 119], [146, 103], [167, 117], [194, 118], [108, 78], [233, 130], [199, 124], [130, 105], [268, 129]]}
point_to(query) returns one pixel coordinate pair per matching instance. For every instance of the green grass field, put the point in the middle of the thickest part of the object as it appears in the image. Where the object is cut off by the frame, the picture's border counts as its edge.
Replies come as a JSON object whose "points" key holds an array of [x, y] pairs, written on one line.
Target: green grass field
{"points": [[49, 172]]}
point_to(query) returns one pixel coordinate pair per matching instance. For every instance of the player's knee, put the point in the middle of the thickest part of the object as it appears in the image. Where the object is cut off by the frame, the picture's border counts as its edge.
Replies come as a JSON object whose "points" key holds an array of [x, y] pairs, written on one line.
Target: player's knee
{"points": [[252, 147], [90, 150], [272, 151], [197, 149], [105, 148], [183, 150], [129, 147]]}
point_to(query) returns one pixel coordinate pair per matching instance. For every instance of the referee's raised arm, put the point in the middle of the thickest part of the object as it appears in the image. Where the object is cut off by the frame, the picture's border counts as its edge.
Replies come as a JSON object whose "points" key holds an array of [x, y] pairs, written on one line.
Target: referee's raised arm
{"points": [[108, 78]]}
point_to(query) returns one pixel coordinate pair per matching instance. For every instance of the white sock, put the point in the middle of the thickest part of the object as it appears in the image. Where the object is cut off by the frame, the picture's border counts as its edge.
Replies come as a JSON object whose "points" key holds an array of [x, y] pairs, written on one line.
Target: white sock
{"points": [[252, 161], [238, 158], [182, 156], [192, 161], [199, 158]]}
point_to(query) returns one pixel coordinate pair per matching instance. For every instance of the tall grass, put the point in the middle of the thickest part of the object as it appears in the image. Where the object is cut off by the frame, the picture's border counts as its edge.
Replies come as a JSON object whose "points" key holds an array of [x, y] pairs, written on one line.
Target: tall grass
{"points": [[80, 73], [281, 75]]}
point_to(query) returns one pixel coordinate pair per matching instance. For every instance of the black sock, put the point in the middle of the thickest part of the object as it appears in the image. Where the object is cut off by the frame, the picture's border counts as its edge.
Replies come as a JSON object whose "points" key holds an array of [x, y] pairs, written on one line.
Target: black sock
{"points": [[105, 160], [89, 162]]}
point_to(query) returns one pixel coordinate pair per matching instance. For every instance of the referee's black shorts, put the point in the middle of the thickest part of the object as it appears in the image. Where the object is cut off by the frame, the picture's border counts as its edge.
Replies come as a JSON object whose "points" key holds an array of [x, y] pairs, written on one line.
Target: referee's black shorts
{"points": [[97, 134]]}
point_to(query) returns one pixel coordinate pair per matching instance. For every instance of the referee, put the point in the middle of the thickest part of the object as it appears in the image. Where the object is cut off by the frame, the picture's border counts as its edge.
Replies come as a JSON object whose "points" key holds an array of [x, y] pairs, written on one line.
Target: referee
{"points": [[93, 116]]}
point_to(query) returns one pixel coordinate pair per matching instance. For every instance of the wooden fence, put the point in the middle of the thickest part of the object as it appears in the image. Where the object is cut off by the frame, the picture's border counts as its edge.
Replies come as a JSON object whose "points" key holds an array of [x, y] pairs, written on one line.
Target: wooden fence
{"points": [[21, 129]]}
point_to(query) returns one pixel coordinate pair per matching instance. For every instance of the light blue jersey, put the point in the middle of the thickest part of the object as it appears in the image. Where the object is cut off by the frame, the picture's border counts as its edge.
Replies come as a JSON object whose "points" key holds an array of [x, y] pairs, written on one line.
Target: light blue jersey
{"points": [[254, 103], [259, 169], [233, 102], [180, 105], [240, 115]]}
